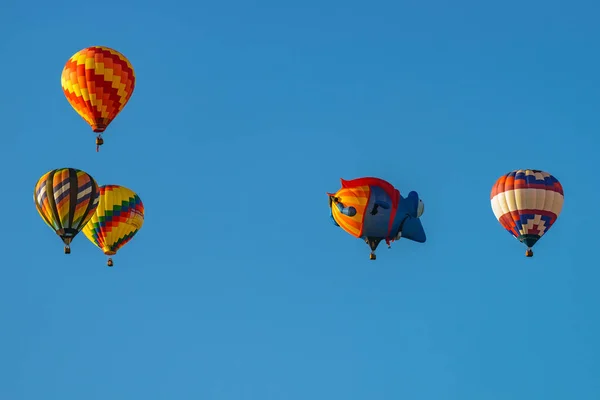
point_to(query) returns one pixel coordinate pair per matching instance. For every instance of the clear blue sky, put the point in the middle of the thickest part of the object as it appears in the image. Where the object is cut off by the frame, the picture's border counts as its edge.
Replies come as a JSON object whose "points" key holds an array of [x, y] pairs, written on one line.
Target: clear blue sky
{"points": [[244, 115]]}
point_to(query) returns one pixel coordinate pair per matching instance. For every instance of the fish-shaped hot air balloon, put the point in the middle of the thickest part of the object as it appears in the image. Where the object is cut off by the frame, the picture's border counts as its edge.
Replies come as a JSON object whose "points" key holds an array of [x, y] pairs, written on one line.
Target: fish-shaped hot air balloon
{"points": [[98, 82], [373, 210], [66, 199], [527, 202], [119, 216]]}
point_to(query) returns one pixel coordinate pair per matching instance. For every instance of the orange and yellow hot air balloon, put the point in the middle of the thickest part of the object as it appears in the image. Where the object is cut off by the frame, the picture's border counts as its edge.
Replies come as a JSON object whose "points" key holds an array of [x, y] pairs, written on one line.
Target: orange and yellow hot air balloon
{"points": [[98, 82], [118, 217]]}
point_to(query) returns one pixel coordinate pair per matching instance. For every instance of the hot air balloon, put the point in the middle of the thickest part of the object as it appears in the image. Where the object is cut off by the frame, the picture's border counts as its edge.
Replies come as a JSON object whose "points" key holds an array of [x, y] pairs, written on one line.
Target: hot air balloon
{"points": [[373, 210], [527, 202], [98, 82], [119, 216], [66, 199]]}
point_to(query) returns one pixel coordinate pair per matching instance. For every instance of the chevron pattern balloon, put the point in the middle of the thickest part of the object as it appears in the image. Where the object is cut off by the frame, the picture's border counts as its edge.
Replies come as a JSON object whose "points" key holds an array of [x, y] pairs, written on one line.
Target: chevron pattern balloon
{"points": [[98, 82], [119, 216]]}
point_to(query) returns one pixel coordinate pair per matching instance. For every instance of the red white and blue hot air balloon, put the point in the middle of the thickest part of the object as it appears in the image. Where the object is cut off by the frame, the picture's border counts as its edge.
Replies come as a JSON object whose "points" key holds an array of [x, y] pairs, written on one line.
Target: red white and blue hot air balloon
{"points": [[527, 202]]}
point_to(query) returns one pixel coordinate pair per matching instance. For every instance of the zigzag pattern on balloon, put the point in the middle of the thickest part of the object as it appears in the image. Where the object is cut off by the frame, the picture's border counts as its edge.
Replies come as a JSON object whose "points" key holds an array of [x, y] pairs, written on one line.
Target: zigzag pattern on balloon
{"points": [[119, 216], [98, 82]]}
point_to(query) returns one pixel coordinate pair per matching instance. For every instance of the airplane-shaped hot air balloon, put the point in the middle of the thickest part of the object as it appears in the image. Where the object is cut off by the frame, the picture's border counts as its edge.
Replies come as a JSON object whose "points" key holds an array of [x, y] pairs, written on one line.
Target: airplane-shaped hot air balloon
{"points": [[373, 210], [527, 202]]}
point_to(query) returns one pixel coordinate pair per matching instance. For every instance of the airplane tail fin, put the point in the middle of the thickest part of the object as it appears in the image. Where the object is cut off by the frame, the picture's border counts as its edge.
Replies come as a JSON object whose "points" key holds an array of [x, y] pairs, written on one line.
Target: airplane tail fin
{"points": [[413, 230]]}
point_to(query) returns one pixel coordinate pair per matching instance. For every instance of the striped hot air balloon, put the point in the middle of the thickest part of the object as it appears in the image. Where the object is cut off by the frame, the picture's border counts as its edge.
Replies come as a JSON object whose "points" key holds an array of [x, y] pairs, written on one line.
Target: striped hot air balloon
{"points": [[98, 82], [66, 199], [119, 216], [527, 202]]}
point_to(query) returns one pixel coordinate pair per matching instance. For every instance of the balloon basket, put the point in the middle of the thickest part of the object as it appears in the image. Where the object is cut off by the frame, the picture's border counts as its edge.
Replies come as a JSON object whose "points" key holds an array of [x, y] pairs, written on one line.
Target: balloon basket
{"points": [[99, 142]]}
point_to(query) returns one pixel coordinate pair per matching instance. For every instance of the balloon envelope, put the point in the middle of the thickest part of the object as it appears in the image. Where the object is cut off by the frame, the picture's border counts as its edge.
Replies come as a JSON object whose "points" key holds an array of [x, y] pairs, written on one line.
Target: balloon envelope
{"points": [[527, 203], [98, 82], [373, 210], [118, 217], [66, 199]]}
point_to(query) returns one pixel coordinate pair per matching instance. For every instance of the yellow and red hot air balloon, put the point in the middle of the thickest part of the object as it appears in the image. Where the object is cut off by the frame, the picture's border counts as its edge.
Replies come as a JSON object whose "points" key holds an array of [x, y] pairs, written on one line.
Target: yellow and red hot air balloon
{"points": [[119, 216], [98, 82], [527, 202], [66, 199]]}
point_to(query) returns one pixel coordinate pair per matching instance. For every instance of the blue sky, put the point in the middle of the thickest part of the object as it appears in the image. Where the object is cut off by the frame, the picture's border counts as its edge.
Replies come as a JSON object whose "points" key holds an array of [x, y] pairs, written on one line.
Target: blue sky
{"points": [[244, 115]]}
